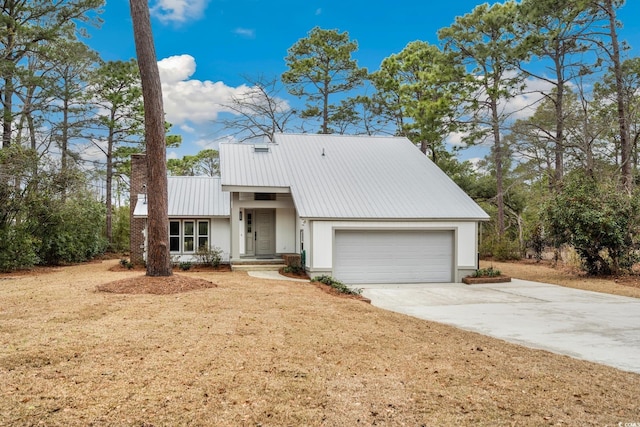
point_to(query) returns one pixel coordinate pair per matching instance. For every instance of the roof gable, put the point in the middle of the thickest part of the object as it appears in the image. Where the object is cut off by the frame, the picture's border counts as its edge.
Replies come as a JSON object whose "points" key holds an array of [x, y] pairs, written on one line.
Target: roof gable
{"points": [[336, 176]]}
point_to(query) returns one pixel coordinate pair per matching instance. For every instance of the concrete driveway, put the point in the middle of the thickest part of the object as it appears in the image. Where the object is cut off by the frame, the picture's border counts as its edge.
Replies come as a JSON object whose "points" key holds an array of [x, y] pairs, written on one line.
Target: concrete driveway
{"points": [[586, 325]]}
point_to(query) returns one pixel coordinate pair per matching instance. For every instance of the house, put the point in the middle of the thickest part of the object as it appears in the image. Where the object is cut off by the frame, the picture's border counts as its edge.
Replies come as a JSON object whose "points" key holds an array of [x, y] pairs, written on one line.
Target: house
{"points": [[198, 209], [361, 209]]}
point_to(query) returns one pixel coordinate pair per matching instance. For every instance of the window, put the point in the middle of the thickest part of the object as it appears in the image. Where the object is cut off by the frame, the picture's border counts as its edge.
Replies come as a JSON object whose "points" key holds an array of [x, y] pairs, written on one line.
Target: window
{"points": [[189, 232], [183, 235], [203, 234], [264, 196], [174, 236]]}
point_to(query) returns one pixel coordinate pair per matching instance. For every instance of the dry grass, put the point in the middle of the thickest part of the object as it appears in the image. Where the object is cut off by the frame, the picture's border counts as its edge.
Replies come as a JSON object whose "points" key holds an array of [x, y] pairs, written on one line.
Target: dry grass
{"points": [[544, 272], [251, 352]]}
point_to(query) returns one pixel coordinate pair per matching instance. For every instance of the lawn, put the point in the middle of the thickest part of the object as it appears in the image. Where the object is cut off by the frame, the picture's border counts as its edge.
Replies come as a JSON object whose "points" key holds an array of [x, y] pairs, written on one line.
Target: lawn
{"points": [[252, 352]]}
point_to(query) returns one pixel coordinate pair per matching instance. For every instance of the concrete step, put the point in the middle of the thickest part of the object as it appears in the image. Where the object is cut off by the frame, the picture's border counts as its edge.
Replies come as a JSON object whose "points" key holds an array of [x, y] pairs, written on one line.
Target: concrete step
{"points": [[256, 267]]}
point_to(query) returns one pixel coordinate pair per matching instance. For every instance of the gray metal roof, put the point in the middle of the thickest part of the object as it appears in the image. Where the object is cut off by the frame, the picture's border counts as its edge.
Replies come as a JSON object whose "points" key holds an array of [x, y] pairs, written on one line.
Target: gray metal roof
{"points": [[192, 196], [352, 177]]}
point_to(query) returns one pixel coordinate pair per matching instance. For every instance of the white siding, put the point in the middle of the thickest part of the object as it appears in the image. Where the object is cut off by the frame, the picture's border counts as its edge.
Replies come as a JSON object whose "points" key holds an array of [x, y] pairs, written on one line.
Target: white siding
{"points": [[285, 231], [219, 236], [221, 233]]}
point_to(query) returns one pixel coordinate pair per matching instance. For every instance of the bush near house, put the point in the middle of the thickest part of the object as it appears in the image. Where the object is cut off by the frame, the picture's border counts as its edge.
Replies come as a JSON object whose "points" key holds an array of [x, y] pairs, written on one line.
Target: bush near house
{"points": [[55, 232], [18, 249], [601, 222], [487, 272], [336, 284], [209, 256]]}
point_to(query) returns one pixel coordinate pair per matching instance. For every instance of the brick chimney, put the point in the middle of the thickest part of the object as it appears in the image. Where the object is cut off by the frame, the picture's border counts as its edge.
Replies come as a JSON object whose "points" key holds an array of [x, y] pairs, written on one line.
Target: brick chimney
{"points": [[138, 185]]}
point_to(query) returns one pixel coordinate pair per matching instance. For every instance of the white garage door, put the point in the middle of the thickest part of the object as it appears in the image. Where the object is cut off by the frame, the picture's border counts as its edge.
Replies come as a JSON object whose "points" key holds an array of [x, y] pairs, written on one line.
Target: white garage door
{"points": [[366, 256]]}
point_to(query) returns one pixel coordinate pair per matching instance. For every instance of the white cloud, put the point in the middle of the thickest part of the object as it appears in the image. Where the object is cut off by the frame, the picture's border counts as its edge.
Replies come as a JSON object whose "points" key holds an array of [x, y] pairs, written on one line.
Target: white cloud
{"points": [[179, 11], [524, 105], [248, 33], [456, 139], [186, 128], [176, 68], [188, 100], [93, 151]]}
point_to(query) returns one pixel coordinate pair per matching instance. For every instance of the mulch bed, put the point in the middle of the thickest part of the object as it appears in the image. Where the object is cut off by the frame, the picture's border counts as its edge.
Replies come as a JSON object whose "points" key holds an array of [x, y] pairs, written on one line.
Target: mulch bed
{"points": [[482, 280], [301, 275], [156, 285], [323, 287], [195, 268], [333, 291]]}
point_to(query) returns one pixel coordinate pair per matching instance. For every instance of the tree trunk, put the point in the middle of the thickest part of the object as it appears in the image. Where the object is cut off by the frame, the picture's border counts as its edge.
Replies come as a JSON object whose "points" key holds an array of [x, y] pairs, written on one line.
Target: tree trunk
{"points": [[325, 108], [559, 139], [625, 143], [64, 138], [109, 186], [497, 152], [158, 259], [7, 104]]}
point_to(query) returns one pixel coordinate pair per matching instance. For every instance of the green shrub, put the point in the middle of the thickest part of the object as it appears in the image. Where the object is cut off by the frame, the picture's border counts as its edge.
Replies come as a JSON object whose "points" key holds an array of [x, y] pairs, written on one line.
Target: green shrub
{"points": [[336, 284], [487, 272], [18, 249], [537, 241], [209, 256], [126, 263], [185, 266], [46, 217], [500, 250], [121, 229], [293, 269], [68, 232], [598, 220]]}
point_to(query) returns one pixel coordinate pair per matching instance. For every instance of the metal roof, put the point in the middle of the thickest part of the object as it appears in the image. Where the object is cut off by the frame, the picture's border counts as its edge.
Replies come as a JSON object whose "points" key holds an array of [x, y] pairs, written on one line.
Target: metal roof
{"points": [[192, 196], [351, 177]]}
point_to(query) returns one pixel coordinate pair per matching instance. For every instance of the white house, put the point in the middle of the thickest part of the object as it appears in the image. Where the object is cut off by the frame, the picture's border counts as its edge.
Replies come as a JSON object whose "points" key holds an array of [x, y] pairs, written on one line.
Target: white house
{"points": [[362, 209]]}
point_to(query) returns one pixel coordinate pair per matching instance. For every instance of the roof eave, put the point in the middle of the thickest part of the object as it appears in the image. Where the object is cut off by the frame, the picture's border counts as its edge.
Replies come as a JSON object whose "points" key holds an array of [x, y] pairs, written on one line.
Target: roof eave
{"points": [[254, 189], [395, 219]]}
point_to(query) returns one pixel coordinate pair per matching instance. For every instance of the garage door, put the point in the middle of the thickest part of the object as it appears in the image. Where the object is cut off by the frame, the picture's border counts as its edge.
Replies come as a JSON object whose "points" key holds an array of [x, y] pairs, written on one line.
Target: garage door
{"points": [[366, 256]]}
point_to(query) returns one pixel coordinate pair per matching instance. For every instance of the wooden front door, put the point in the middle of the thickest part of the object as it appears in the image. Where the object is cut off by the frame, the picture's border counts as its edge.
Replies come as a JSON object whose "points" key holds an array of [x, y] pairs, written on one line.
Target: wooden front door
{"points": [[265, 225]]}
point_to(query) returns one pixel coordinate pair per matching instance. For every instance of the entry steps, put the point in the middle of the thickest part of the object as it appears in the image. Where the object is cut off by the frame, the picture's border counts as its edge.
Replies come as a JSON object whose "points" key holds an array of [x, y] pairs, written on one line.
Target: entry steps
{"points": [[257, 264]]}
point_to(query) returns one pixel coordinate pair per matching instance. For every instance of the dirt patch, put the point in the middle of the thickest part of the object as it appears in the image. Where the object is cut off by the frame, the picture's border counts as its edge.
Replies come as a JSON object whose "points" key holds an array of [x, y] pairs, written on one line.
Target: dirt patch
{"points": [[195, 268], [631, 281], [267, 352], [156, 285]]}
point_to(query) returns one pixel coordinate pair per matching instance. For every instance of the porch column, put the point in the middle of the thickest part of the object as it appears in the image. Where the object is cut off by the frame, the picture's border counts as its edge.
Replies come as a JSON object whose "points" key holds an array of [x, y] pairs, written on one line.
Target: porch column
{"points": [[235, 221]]}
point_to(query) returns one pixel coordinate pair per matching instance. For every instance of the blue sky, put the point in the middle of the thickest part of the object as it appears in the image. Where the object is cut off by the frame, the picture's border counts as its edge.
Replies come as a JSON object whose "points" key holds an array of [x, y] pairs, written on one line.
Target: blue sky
{"points": [[204, 47]]}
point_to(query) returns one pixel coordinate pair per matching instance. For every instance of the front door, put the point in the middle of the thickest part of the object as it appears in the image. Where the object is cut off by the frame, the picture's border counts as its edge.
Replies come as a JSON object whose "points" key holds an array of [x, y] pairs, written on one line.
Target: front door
{"points": [[265, 232]]}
